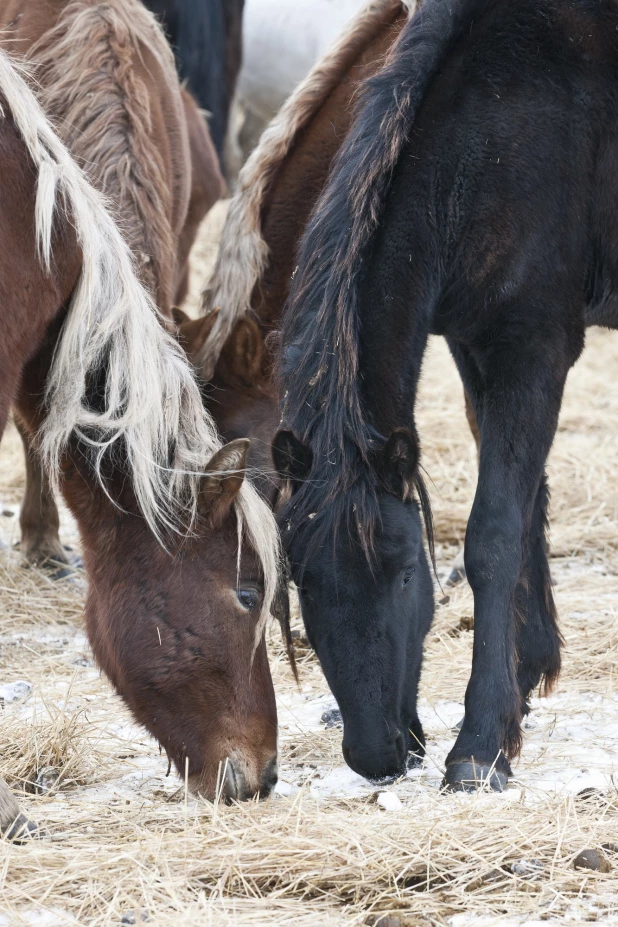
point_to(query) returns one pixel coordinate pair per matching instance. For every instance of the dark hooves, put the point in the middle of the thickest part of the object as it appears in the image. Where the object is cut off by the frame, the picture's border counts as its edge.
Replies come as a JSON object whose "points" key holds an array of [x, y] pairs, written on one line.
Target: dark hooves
{"points": [[468, 776], [21, 830], [457, 575]]}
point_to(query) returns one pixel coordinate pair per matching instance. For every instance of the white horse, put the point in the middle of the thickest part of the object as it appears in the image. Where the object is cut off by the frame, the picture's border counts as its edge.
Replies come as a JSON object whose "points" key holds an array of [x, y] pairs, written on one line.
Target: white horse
{"points": [[282, 40]]}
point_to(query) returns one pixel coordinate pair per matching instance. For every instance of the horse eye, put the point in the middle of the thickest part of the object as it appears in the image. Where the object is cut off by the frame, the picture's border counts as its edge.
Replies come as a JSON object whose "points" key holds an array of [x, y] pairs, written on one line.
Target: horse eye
{"points": [[407, 576], [248, 598]]}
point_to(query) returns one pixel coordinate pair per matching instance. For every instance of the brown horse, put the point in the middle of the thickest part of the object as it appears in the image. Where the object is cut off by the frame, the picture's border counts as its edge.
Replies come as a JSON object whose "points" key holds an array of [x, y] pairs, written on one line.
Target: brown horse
{"points": [[277, 189], [125, 128], [107, 397]]}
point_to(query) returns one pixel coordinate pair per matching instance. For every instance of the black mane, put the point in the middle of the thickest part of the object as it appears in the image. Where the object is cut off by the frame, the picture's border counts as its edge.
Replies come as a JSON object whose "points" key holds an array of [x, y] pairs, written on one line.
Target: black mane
{"points": [[320, 360]]}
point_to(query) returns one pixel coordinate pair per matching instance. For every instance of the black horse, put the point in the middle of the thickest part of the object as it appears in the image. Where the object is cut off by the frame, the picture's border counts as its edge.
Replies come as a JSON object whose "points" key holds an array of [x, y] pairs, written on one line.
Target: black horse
{"points": [[475, 197], [207, 38]]}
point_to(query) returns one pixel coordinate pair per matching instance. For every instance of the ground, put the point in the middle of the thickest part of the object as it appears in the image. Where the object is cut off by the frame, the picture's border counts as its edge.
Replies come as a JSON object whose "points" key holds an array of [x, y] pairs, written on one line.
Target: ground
{"points": [[125, 844]]}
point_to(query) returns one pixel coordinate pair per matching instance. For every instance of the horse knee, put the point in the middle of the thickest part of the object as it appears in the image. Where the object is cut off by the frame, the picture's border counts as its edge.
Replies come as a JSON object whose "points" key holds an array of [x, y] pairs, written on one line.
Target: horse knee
{"points": [[493, 549]]}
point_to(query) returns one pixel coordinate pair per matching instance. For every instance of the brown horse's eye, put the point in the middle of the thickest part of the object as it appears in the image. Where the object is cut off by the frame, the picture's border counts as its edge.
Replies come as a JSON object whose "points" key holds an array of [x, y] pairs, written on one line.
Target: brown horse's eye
{"points": [[249, 598]]}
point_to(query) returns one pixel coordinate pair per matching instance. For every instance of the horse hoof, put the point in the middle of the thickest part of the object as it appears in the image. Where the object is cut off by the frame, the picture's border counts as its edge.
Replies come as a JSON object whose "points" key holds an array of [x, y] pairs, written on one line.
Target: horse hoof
{"points": [[468, 776], [21, 830]]}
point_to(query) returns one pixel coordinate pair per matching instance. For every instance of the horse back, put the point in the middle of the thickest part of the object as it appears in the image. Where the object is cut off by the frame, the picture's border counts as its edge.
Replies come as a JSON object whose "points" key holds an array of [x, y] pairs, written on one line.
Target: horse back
{"points": [[508, 181]]}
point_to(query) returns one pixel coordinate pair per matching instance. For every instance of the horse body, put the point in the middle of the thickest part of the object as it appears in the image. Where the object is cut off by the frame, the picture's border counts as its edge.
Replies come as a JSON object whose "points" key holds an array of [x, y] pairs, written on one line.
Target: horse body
{"points": [[471, 199], [107, 395], [207, 38]]}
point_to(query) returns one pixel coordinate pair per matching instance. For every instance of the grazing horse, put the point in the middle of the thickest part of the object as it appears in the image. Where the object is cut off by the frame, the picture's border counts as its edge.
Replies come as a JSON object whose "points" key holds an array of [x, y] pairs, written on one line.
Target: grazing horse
{"points": [[229, 344], [176, 606], [129, 133], [207, 38], [474, 198]]}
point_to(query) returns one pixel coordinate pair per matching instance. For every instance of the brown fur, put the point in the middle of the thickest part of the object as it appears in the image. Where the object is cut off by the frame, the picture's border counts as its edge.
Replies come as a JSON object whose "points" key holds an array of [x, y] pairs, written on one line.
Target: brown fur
{"points": [[166, 627]]}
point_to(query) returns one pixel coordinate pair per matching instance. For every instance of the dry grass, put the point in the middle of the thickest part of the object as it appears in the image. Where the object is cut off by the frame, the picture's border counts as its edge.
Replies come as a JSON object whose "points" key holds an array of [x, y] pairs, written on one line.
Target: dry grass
{"points": [[122, 839]]}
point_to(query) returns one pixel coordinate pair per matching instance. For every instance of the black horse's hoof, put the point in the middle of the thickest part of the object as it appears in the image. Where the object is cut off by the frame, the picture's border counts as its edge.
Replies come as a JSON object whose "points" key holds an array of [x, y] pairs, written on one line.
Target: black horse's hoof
{"points": [[468, 776]]}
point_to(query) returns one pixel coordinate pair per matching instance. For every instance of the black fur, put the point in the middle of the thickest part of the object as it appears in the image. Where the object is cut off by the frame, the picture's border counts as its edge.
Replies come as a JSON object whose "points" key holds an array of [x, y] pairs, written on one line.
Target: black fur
{"points": [[475, 198], [207, 38]]}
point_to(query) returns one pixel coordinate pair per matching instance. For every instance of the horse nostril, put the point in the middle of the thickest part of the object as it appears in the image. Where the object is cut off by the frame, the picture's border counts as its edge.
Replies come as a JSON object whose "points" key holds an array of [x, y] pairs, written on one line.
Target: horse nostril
{"points": [[270, 777]]}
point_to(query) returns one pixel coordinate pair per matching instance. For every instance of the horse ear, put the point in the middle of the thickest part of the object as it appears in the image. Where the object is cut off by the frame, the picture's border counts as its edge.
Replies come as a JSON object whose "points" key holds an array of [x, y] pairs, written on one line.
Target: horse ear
{"points": [[292, 459], [399, 461], [241, 358], [192, 333], [224, 475]]}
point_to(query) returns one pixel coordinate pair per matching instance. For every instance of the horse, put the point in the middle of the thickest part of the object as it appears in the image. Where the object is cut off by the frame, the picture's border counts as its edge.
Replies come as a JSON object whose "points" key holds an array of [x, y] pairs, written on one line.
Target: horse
{"points": [[118, 148], [207, 38], [176, 605], [281, 43], [231, 343], [472, 198]]}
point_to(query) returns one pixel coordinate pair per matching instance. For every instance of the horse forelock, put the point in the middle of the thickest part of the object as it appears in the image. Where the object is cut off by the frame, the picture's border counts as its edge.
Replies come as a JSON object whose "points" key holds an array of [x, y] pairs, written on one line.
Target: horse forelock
{"points": [[243, 253], [153, 406], [320, 375]]}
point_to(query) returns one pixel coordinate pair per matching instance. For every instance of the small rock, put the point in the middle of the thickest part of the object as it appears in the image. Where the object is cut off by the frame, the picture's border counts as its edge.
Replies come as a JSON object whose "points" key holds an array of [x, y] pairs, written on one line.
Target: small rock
{"points": [[527, 868], [592, 859], [46, 780], [135, 917], [389, 801], [15, 691], [332, 718]]}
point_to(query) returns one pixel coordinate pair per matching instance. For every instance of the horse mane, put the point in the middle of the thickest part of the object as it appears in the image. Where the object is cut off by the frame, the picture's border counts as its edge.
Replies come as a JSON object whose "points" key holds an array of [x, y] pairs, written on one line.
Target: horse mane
{"points": [[321, 382], [243, 253], [152, 404], [85, 67]]}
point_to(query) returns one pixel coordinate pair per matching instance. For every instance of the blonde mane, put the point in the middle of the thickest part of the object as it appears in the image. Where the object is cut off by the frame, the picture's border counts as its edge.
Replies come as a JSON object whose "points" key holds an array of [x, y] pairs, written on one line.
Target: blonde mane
{"points": [[85, 67], [243, 253], [153, 403]]}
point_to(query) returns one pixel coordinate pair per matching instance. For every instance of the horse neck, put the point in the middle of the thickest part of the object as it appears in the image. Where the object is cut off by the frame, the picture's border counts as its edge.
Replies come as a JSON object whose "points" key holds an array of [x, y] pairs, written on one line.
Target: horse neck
{"points": [[303, 173]]}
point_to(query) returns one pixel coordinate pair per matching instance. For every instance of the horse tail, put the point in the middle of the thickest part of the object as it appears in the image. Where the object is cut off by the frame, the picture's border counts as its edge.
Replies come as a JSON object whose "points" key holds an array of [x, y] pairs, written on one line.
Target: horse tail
{"points": [[243, 253], [152, 405], [319, 367]]}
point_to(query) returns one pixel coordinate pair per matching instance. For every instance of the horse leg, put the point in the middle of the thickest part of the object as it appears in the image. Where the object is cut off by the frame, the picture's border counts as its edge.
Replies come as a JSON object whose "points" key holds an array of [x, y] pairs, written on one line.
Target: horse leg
{"points": [[538, 637], [458, 569], [517, 397], [38, 519], [14, 825]]}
